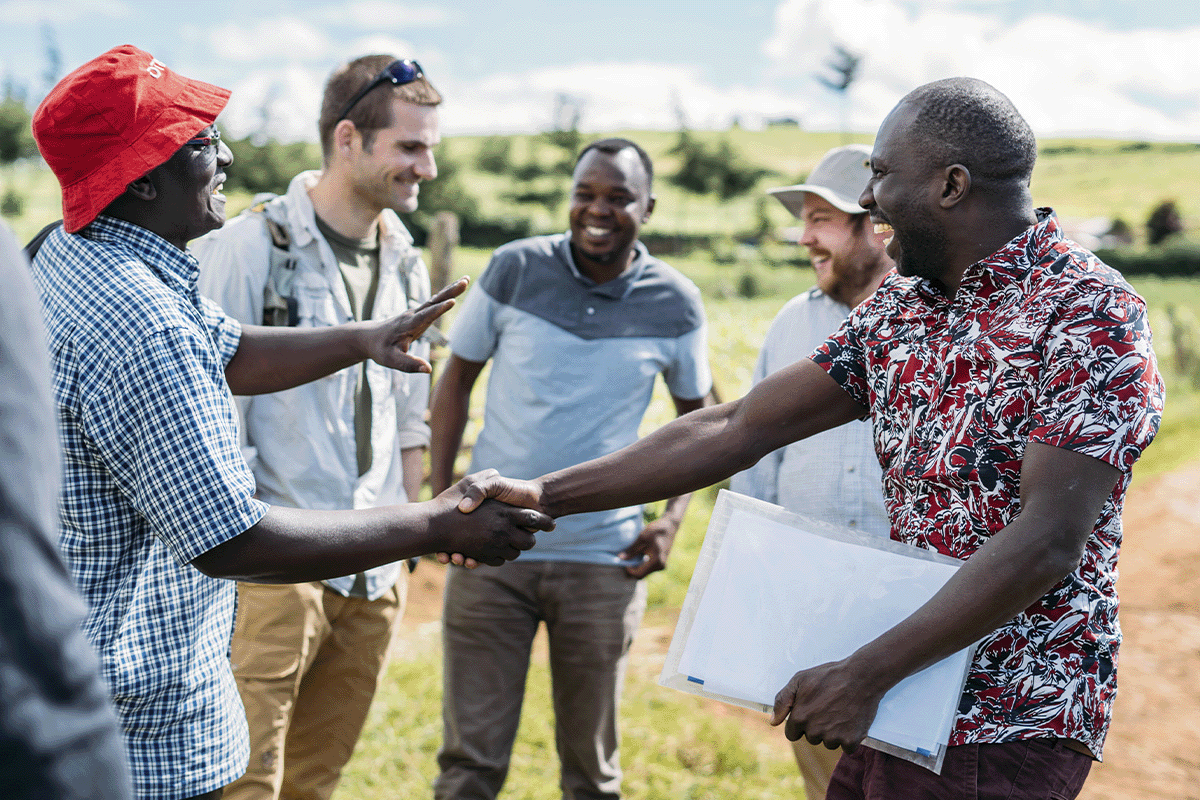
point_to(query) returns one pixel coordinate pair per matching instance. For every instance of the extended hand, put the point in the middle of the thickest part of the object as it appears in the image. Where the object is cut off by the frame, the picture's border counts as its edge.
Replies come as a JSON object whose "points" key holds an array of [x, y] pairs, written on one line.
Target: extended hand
{"points": [[389, 342], [653, 545], [489, 483], [829, 703], [493, 534]]}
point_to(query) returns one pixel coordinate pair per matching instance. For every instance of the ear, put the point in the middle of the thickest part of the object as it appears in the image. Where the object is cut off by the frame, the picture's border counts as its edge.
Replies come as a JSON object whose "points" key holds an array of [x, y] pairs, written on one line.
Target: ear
{"points": [[649, 209], [956, 184], [344, 135], [142, 189]]}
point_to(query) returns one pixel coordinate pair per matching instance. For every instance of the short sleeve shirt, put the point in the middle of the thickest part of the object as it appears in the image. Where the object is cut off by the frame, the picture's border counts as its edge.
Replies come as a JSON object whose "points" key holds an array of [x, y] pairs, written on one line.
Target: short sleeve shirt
{"points": [[573, 369], [1041, 343], [153, 477]]}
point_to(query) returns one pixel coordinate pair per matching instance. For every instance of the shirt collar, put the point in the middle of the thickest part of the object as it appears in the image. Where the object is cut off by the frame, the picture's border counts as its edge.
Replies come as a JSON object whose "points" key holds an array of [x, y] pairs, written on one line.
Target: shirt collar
{"points": [[177, 268], [619, 287], [1010, 262], [303, 216]]}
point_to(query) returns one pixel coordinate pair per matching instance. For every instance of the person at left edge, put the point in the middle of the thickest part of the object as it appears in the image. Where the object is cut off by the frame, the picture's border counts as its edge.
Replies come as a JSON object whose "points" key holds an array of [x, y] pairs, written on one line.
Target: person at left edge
{"points": [[158, 503]]}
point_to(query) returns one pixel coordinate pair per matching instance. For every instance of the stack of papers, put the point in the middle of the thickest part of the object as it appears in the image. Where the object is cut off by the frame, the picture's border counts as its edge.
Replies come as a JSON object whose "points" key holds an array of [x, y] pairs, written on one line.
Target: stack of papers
{"points": [[775, 593]]}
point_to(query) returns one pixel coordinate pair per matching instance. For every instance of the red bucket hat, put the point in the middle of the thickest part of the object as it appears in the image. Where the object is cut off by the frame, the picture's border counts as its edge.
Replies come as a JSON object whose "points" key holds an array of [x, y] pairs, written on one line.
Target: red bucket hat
{"points": [[113, 120]]}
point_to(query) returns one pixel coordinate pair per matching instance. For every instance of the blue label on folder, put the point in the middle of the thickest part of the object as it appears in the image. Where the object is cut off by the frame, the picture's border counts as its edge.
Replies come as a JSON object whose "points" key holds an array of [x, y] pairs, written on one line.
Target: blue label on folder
{"points": [[695, 680]]}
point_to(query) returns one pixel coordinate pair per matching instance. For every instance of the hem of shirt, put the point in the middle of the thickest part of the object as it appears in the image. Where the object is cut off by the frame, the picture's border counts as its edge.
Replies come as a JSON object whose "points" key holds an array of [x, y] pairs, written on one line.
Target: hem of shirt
{"points": [[1096, 745], [250, 517]]}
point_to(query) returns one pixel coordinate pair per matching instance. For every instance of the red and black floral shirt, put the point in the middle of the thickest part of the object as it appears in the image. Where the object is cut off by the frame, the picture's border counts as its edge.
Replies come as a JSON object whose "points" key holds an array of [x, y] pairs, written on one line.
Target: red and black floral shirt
{"points": [[1041, 343]]}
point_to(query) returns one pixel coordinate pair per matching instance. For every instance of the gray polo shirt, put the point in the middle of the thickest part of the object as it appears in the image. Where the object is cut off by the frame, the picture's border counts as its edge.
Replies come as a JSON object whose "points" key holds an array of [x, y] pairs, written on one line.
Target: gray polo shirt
{"points": [[573, 369]]}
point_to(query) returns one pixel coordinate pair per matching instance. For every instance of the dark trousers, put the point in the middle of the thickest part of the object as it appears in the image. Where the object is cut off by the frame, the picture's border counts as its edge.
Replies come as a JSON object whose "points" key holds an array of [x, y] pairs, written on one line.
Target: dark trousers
{"points": [[1034, 769]]}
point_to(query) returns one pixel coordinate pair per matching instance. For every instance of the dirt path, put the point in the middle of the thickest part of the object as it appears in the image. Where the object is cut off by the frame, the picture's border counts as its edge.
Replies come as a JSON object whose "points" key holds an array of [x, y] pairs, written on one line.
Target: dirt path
{"points": [[1152, 751]]}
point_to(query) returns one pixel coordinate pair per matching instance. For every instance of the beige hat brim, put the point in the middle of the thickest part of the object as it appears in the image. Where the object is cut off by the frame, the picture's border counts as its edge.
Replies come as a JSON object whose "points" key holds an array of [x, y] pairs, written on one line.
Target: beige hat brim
{"points": [[792, 198]]}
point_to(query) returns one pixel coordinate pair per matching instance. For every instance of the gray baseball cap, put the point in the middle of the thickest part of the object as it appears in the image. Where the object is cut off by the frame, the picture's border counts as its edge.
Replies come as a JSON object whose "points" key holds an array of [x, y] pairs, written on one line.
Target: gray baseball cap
{"points": [[839, 178]]}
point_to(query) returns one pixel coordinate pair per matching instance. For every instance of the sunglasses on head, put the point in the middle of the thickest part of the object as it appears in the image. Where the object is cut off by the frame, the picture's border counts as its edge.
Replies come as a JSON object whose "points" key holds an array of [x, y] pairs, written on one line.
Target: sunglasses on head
{"points": [[397, 73]]}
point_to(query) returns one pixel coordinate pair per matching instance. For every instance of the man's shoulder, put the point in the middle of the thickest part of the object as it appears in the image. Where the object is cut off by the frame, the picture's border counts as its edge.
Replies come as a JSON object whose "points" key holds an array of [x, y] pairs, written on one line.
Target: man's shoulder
{"points": [[663, 276], [511, 262], [532, 247]]}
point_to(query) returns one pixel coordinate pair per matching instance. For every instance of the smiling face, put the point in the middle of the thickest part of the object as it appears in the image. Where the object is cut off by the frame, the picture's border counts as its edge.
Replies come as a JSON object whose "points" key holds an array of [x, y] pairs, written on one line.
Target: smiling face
{"points": [[902, 198], [188, 198], [847, 256], [610, 200], [387, 167]]}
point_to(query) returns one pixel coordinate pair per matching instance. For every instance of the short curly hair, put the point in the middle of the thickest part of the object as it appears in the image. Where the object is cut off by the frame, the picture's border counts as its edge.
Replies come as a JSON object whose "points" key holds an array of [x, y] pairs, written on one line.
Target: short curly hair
{"points": [[967, 121], [374, 111]]}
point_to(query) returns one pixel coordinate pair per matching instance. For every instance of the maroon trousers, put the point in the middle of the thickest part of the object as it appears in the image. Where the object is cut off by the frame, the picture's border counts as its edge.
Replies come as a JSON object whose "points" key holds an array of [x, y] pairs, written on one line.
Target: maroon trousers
{"points": [[1035, 769]]}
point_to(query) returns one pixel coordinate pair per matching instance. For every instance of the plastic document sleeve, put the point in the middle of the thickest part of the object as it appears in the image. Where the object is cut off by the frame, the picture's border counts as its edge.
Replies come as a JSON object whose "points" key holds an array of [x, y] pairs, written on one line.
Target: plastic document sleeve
{"points": [[774, 593]]}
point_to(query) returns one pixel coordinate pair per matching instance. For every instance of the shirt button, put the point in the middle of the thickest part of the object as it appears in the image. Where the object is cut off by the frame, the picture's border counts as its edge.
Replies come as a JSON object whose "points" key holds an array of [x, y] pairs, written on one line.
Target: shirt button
{"points": [[591, 311], [850, 469]]}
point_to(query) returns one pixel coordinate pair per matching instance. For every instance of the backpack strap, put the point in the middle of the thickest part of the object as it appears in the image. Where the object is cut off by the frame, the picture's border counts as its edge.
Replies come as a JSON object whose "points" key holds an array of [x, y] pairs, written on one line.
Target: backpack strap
{"points": [[279, 296], [36, 242]]}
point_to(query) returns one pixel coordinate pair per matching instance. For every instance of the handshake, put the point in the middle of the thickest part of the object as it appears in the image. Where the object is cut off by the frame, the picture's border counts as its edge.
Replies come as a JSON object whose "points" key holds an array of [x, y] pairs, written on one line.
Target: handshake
{"points": [[489, 519]]}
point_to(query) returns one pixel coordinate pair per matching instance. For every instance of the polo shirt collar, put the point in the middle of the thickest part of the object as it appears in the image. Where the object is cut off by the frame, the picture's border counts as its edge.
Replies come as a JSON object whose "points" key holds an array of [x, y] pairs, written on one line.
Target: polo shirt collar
{"points": [[619, 287]]}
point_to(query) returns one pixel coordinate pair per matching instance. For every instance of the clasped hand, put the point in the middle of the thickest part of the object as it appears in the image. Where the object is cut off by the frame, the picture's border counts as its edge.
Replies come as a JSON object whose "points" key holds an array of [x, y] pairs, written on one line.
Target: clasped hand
{"points": [[494, 532], [478, 489]]}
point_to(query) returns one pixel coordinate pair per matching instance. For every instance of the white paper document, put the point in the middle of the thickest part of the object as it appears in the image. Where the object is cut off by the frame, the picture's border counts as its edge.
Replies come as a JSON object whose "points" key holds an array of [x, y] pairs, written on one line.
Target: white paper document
{"points": [[775, 592]]}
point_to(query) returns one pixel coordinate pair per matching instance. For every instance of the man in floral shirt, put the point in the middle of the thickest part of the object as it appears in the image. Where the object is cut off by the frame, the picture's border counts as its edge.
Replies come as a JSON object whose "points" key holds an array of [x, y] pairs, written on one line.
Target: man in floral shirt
{"points": [[1011, 385]]}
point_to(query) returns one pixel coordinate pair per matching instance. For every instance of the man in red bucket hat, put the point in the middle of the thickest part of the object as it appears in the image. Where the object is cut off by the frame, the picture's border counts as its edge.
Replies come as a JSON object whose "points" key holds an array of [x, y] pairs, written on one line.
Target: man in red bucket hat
{"points": [[158, 508]]}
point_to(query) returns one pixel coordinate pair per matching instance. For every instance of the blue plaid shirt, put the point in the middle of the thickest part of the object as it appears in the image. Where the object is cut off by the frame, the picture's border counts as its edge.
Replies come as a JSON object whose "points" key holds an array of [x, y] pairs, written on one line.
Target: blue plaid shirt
{"points": [[153, 477]]}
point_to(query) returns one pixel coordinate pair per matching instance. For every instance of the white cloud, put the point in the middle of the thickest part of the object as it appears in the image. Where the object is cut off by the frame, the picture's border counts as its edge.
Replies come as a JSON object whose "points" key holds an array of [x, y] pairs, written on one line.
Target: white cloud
{"points": [[613, 96], [61, 13], [270, 40], [284, 102], [385, 15], [1066, 75]]}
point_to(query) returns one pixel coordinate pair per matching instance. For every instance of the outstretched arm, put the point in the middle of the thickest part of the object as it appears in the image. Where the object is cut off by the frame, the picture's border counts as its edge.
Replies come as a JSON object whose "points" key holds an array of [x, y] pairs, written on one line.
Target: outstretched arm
{"points": [[291, 545], [1062, 495], [689, 453], [653, 544], [271, 359]]}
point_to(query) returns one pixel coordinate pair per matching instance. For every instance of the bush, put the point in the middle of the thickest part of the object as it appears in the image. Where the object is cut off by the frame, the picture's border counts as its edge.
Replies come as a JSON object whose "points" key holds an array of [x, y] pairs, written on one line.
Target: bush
{"points": [[12, 204], [495, 155], [270, 166], [1177, 260]]}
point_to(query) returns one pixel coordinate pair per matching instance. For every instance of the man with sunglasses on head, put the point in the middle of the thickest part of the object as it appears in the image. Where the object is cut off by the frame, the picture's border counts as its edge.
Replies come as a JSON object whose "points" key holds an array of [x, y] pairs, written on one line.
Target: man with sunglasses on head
{"points": [[307, 657], [158, 511]]}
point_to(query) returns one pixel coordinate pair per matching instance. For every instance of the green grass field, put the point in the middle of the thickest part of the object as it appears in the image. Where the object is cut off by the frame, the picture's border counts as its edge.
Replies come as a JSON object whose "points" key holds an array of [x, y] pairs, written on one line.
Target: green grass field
{"points": [[675, 745]]}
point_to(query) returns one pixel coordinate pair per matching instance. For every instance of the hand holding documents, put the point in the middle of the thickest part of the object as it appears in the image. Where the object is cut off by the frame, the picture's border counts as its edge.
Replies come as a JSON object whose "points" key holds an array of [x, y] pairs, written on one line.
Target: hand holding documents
{"points": [[774, 593]]}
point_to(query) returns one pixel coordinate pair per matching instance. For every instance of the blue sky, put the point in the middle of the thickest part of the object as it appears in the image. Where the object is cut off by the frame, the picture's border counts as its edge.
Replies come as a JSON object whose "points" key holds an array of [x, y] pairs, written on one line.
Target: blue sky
{"points": [[1116, 68]]}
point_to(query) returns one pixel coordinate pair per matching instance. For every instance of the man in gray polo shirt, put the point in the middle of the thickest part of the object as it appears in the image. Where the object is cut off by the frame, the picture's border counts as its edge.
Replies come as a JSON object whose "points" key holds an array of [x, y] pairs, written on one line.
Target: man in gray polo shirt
{"points": [[577, 326]]}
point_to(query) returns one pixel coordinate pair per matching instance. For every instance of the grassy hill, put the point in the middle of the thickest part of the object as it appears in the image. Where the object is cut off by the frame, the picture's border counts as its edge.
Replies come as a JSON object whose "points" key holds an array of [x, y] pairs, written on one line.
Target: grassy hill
{"points": [[1080, 178]]}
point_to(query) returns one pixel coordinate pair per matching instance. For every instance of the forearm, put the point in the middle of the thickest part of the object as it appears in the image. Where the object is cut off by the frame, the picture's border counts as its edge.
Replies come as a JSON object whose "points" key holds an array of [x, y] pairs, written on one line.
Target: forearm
{"points": [[705, 446], [451, 408], [271, 359], [689, 453], [290, 545], [1014, 569], [412, 461], [447, 425]]}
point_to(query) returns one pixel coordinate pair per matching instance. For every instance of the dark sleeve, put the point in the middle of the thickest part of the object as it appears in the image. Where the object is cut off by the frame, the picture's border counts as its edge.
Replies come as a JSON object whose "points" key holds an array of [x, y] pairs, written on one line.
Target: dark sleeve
{"points": [[58, 734]]}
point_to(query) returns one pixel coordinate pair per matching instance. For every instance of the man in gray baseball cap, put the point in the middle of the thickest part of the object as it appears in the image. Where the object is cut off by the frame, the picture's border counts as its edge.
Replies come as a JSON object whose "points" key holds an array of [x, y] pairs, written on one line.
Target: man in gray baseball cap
{"points": [[834, 475]]}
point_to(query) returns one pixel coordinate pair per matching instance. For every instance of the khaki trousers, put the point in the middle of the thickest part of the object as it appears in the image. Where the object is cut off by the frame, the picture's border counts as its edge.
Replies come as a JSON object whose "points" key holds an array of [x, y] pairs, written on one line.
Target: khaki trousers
{"points": [[307, 661], [816, 762]]}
